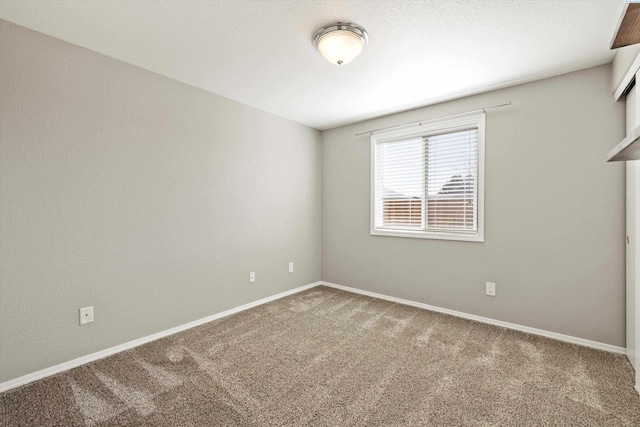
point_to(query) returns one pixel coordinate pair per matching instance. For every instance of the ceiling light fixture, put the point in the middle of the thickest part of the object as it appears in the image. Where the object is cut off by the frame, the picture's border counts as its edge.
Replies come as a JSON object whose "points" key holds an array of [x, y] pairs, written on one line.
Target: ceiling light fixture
{"points": [[340, 42]]}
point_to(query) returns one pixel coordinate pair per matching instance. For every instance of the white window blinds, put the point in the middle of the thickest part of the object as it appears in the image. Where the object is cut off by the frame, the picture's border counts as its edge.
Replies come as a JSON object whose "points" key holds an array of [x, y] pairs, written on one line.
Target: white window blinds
{"points": [[428, 182]]}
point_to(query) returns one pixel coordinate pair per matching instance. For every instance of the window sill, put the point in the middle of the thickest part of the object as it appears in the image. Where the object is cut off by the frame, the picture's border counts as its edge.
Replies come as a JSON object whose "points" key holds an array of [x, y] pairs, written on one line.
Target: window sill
{"points": [[478, 238]]}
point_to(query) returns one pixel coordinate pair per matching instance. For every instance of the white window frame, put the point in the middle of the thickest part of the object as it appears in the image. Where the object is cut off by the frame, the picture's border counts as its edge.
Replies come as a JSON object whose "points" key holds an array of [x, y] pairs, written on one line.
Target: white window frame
{"points": [[433, 128]]}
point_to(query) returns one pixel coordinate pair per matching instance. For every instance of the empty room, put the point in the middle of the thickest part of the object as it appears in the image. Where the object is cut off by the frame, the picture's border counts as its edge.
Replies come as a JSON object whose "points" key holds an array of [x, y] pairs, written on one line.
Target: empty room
{"points": [[319, 213]]}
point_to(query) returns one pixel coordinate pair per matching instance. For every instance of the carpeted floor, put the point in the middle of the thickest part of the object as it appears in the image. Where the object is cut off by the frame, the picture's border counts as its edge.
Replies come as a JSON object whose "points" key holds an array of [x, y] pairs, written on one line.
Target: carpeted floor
{"points": [[325, 357]]}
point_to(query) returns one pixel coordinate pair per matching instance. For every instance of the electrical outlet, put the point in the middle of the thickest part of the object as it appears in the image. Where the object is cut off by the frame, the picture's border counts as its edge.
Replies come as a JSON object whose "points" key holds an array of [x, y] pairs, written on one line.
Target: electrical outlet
{"points": [[252, 277], [290, 267], [490, 289], [86, 315]]}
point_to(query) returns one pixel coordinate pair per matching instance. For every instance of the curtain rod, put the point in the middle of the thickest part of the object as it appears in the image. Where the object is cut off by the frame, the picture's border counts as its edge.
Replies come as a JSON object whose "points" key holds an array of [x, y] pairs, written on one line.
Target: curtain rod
{"points": [[420, 122]]}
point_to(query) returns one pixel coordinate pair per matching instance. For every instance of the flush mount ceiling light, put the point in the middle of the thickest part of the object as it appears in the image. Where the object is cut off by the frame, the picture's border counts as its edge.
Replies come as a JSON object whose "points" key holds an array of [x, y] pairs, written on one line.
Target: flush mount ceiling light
{"points": [[340, 42]]}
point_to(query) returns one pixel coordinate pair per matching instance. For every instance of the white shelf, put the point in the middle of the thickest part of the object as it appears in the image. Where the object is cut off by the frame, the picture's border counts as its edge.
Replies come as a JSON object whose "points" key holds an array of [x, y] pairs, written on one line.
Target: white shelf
{"points": [[628, 149]]}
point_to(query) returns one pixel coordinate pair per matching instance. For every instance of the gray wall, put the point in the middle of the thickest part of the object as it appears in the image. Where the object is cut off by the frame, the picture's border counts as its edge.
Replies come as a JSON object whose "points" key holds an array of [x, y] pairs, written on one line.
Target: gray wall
{"points": [[149, 199], [152, 200], [554, 214]]}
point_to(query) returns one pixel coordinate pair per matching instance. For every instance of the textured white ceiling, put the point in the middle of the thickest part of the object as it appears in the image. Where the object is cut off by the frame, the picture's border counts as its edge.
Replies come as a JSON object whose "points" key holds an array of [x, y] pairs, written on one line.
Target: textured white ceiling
{"points": [[259, 52]]}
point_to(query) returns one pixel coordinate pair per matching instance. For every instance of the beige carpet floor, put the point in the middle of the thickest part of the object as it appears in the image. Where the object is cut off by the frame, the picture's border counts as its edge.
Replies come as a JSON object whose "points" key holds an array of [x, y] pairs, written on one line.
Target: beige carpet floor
{"points": [[325, 357]]}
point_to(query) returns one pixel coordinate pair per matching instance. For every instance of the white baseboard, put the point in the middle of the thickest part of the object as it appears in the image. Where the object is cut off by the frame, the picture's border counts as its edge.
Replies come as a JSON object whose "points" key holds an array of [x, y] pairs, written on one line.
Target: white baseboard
{"points": [[554, 335], [26, 379]]}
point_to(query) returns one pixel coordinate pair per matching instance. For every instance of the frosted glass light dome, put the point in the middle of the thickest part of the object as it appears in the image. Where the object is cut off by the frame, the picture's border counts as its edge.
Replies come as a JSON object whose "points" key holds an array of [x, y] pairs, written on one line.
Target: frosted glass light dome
{"points": [[340, 43]]}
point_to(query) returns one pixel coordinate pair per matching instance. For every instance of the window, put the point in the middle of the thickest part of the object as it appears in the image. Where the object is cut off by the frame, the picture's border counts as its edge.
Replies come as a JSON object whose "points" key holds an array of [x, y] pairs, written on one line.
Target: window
{"points": [[428, 181]]}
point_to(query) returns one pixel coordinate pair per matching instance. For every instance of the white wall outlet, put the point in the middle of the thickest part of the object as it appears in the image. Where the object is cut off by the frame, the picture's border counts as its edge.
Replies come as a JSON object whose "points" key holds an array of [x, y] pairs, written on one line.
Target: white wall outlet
{"points": [[252, 277], [490, 289], [86, 315], [290, 267]]}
